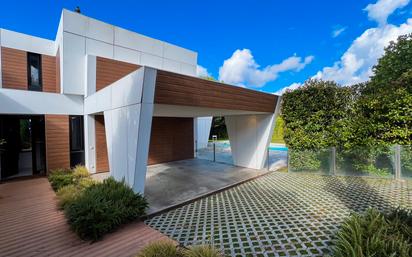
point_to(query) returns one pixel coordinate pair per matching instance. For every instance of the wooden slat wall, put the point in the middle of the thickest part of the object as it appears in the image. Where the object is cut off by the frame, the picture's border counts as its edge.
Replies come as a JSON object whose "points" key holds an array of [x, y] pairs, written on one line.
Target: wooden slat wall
{"points": [[14, 68], [177, 89], [49, 73], [109, 71], [171, 140], [102, 160], [57, 141]]}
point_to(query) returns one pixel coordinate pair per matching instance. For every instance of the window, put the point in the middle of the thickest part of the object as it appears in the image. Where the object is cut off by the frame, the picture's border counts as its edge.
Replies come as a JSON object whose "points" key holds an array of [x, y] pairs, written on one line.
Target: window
{"points": [[76, 141], [34, 71]]}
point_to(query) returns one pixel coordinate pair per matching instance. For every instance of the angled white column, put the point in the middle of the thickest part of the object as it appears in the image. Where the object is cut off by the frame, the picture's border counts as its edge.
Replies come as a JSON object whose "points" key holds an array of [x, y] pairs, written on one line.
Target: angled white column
{"points": [[90, 142], [203, 125], [250, 136], [127, 106]]}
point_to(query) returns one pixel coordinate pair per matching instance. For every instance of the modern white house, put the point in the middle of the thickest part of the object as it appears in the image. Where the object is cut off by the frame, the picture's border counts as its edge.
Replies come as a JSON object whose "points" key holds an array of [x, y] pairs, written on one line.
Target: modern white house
{"points": [[116, 101]]}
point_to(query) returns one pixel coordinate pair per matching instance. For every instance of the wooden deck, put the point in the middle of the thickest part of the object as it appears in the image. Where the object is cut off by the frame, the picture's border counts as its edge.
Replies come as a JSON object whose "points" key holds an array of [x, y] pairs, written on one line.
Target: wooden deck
{"points": [[31, 225]]}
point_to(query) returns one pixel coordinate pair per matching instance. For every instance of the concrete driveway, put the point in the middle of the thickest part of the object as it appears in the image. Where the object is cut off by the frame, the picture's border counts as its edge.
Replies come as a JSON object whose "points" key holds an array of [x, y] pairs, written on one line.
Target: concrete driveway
{"points": [[174, 183]]}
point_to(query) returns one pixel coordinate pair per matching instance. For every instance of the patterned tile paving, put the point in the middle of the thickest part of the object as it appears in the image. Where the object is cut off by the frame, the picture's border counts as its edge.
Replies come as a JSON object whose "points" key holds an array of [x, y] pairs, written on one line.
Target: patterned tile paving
{"points": [[279, 214]]}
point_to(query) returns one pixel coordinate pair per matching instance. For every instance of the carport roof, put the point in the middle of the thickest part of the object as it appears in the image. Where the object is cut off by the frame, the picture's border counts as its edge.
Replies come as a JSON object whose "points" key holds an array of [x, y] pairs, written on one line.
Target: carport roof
{"points": [[177, 89]]}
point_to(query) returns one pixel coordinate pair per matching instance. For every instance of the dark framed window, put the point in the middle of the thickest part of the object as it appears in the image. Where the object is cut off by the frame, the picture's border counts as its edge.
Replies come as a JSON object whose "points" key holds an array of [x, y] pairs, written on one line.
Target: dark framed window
{"points": [[34, 71], [76, 141]]}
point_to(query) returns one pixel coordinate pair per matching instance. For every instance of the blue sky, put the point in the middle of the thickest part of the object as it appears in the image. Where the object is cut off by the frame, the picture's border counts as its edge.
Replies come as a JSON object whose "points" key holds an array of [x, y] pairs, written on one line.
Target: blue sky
{"points": [[265, 45]]}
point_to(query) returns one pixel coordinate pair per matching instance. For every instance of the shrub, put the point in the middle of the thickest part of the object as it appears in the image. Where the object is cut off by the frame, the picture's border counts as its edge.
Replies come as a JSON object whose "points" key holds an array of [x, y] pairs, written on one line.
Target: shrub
{"points": [[374, 234], [161, 249], [80, 171], [202, 251], [67, 194], [103, 207], [60, 178]]}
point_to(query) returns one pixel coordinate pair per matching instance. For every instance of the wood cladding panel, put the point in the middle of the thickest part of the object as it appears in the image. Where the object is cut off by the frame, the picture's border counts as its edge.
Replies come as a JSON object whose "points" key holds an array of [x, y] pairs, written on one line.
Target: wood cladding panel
{"points": [[57, 141], [171, 140], [177, 89], [49, 73], [109, 71], [102, 160], [14, 68]]}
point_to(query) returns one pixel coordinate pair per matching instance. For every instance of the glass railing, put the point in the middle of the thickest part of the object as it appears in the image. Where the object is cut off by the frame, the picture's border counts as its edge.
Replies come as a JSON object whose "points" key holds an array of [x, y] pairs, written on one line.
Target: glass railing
{"points": [[406, 161], [309, 161], [380, 161], [218, 151]]}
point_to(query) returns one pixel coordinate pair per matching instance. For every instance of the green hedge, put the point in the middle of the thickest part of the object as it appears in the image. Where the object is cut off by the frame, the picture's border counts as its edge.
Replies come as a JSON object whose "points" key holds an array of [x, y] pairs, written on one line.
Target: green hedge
{"points": [[373, 234], [103, 207]]}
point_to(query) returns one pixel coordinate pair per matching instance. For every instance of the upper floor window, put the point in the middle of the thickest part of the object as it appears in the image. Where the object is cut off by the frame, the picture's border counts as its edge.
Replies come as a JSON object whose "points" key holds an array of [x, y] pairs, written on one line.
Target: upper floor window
{"points": [[34, 71]]}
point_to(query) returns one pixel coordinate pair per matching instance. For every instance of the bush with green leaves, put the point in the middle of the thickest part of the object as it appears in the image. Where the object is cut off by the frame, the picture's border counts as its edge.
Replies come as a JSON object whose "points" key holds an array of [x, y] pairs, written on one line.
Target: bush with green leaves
{"points": [[373, 234], [103, 207], [67, 194], [61, 177], [161, 249]]}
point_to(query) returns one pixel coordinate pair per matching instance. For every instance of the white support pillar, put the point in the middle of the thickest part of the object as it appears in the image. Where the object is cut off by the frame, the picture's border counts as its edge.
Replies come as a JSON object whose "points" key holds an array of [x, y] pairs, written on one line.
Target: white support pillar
{"points": [[203, 125], [90, 142], [128, 112], [250, 137]]}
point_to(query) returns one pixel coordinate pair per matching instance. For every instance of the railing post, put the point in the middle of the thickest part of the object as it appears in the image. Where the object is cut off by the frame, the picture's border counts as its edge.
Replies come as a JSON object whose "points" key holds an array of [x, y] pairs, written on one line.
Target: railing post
{"points": [[397, 162], [268, 159], [288, 159], [332, 170], [214, 151]]}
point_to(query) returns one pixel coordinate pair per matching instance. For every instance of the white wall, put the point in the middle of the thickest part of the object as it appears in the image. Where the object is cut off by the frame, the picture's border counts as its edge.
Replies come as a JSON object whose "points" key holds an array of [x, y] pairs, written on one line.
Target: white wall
{"points": [[32, 102], [82, 36], [127, 106]]}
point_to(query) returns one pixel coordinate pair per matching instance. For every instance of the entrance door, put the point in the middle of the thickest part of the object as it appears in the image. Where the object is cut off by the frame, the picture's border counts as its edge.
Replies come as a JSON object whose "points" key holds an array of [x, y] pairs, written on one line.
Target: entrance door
{"points": [[23, 153], [10, 150]]}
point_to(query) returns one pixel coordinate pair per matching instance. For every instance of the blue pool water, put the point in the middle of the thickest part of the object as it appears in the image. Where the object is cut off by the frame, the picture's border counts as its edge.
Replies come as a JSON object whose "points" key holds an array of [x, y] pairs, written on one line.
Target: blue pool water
{"points": [[271, 148], [278, 148]]}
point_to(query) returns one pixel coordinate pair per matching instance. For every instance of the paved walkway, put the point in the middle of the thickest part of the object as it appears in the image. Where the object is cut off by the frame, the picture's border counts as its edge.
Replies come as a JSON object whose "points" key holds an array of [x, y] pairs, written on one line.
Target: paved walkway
{"points": [[280, 214], [30, 225]]}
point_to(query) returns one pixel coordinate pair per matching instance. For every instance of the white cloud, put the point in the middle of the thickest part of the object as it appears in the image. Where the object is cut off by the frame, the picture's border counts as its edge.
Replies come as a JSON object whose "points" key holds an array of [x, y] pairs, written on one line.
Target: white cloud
{"points": [[202, 71], [290, 87], [241, 69], [356, 63], [337, 31], [382, 9]]}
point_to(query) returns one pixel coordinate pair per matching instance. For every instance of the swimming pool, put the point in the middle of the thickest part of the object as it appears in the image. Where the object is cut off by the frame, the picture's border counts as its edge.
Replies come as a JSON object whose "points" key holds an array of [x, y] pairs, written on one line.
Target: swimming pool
{"points": [[278, 148], [271, 148]]}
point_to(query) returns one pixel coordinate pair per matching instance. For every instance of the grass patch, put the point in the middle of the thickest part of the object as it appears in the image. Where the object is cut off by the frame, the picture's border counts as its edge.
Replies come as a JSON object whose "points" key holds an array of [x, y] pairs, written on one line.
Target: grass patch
{"points": [[169, 249]]}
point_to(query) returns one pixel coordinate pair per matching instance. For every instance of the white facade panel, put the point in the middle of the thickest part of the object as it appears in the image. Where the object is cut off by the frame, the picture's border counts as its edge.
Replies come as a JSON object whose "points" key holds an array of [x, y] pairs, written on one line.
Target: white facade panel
{"points": [[74, 60], [126, 55], [100, 31], [151, 60], [32, 102], [188, 69], [171, 65], [27, 43], [75, 23], [203, 125], [179, 54], [99, 48]]}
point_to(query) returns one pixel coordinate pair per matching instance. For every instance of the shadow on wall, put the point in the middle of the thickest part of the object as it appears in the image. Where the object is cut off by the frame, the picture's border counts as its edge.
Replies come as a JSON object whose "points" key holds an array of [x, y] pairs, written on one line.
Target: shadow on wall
{"points": [[357, 193]]}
